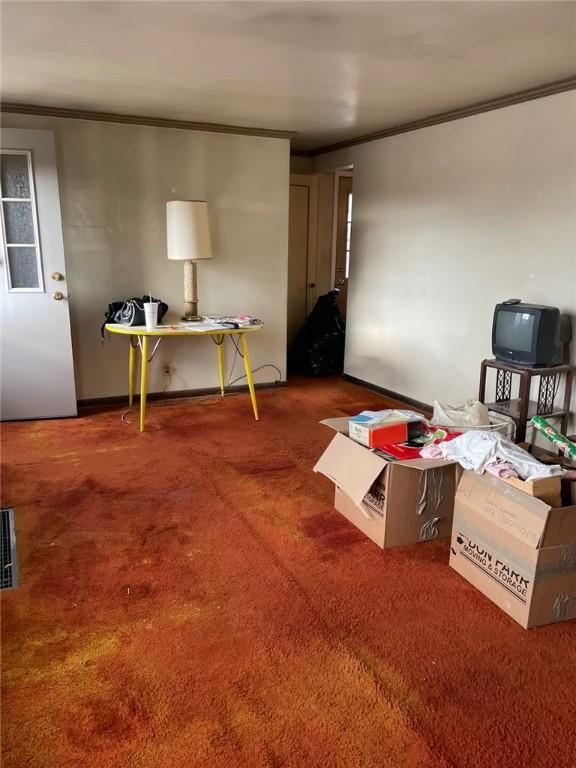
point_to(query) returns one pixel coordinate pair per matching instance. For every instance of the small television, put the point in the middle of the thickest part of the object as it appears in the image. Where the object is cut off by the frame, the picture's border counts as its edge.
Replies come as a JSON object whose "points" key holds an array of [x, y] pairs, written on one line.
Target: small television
{"points": [[530, 335]]}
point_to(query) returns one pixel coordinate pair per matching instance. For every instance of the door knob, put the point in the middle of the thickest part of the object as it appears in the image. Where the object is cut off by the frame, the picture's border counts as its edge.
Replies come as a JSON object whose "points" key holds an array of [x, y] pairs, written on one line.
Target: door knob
{"points": [[57, 295], [340, 282], [57, 276]]}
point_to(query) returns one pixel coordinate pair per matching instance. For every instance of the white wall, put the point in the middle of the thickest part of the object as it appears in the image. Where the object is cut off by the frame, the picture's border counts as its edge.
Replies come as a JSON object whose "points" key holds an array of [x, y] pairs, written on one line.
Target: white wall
{"points": [[114, 183], [448, 221]]}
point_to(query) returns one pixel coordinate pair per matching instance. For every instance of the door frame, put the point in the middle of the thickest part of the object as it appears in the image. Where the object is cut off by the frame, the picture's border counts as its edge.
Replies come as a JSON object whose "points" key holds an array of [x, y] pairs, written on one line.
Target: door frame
{"points": [[338, 174]]}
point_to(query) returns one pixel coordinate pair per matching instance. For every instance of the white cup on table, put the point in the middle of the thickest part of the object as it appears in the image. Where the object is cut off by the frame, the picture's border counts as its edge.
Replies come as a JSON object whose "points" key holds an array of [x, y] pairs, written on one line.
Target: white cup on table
{"points": [[151, 314]]}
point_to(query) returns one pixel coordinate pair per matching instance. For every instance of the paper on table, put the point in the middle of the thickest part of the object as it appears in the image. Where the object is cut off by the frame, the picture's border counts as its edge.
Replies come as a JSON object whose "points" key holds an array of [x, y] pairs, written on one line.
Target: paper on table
{"points": [[182, 326], [201, 325]]}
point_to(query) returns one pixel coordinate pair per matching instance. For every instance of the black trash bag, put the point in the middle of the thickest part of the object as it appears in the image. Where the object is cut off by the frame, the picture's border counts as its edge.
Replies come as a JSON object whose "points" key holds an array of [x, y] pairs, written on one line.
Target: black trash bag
{"points": [[318, 349]]}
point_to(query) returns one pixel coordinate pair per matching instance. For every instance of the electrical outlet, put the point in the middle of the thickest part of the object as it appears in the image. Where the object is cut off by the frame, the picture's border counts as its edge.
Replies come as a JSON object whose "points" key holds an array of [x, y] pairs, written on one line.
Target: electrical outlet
{"points": [[166, 369]]}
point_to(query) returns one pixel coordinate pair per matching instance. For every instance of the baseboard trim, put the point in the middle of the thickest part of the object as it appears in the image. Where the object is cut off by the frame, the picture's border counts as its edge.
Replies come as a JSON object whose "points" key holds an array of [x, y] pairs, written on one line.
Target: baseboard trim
{"points": [[180, 394], [425, 407]]}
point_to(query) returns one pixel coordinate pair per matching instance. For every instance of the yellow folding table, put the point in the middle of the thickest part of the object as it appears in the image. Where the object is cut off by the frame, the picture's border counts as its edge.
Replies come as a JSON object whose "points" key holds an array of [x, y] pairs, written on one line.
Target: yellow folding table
{"points": [[138, 337]]}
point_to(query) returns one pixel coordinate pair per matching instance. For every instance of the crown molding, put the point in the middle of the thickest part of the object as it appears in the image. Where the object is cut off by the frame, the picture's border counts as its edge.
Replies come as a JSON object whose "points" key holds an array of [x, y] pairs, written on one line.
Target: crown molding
{"points": [[155, 122], [559, 86]]}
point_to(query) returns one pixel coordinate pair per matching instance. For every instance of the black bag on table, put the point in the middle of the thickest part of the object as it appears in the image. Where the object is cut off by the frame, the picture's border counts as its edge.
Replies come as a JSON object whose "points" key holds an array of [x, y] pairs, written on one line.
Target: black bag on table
{"points": [[318, 349], [131, 312]]}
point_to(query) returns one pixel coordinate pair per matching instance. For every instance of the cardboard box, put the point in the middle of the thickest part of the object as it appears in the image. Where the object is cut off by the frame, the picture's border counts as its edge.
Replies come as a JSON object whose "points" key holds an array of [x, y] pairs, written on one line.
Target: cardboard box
{"points": [[393, 503], [548, 489], [517, 550]]}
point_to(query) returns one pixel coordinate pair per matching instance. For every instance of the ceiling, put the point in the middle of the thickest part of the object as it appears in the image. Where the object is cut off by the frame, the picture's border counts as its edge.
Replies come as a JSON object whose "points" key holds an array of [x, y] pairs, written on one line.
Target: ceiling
{"points": [[330, 71]]}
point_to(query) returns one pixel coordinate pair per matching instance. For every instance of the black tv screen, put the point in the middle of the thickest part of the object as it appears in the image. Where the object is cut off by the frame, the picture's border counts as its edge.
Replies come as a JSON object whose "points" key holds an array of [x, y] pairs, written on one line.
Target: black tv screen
{"points": [[528, 334], [515, 330]]}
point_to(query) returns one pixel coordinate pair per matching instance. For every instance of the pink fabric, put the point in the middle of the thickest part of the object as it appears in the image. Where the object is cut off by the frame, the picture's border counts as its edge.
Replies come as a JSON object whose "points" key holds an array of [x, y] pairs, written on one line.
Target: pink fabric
{"points": [[431, 451], [501, 469]]}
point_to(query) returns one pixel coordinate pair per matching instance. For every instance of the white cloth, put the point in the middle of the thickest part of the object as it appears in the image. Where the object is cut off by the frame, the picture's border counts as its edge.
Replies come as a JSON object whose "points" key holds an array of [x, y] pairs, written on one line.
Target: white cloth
{"points": [[475, 449]]}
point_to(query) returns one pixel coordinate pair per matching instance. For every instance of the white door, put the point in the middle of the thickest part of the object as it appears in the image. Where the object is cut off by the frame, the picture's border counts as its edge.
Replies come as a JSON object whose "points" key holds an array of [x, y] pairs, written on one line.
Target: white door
{"points": [[37, 373]]}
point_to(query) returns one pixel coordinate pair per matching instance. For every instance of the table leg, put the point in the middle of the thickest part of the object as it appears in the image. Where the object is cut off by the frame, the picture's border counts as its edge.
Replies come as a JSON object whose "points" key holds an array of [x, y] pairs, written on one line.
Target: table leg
{"points": [[524, 395], [220, 348], [131, 371], [248, 369], [564, 422], [143, 378], [482, 388]]}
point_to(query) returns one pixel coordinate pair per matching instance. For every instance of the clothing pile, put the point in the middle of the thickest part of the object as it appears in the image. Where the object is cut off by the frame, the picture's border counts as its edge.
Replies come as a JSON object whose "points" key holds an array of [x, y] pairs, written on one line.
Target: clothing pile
{"points": [[493, 453]]}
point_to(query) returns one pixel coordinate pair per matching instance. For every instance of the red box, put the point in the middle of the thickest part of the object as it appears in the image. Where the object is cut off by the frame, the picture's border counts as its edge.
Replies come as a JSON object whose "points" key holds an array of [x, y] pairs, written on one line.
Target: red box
{"points": [[379, 435]]}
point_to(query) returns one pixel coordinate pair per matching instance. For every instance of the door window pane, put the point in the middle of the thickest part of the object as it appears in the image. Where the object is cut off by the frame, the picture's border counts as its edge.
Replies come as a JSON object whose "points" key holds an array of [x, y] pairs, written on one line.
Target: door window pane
{"points": [[23, 267], [19, 223], [14, 176]]}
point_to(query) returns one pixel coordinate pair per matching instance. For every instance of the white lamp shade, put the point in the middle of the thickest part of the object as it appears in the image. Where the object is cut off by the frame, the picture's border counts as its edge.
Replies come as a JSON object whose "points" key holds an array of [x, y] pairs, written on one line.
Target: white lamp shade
{"points": [[188, 232]]}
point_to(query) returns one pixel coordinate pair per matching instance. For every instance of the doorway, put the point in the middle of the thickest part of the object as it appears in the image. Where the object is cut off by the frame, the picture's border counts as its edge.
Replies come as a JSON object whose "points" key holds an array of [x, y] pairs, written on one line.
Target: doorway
{"points": [[342, 235], [37, 376]]}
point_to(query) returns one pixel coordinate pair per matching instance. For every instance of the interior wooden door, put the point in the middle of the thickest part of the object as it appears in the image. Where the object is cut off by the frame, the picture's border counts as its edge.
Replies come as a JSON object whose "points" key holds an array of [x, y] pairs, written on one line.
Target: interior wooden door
{"points": [[302, 250], [343, 240]]}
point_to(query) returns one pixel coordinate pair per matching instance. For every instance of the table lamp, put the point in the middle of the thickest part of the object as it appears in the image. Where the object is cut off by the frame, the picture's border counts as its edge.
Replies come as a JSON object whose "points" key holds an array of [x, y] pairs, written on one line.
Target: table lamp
{"points": [[188, 240]]}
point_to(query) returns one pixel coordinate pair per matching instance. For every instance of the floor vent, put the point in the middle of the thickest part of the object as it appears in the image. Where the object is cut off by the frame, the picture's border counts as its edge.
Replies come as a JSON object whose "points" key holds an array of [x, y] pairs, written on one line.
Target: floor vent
{"points": [[8, 553]]}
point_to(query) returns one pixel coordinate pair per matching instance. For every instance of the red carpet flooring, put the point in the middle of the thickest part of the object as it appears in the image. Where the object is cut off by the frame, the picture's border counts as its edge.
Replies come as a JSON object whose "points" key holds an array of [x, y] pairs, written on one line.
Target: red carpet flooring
{"points": [[190, 598]]}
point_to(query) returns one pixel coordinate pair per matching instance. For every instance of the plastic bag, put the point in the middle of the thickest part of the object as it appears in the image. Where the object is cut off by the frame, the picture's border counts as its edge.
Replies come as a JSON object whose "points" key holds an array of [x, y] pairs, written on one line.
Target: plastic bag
{"points": [[503, 424], [472, 414]]}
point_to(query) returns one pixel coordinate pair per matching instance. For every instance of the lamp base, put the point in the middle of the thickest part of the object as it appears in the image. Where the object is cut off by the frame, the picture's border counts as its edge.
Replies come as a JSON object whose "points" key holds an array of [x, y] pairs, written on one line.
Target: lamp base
{"points": [[191, 301]]}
